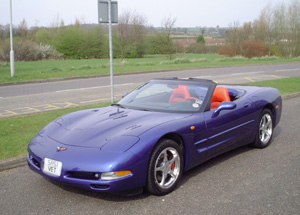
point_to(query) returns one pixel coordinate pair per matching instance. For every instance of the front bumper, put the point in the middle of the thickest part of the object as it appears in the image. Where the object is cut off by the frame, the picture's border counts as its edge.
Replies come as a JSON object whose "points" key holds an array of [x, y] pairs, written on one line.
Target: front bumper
{"points": [[81, 172]]}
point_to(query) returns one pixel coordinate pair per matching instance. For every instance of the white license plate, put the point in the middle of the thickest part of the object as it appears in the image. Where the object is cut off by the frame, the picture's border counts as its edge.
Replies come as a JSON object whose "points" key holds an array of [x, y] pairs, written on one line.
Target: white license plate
{"points": [[52, 167]]}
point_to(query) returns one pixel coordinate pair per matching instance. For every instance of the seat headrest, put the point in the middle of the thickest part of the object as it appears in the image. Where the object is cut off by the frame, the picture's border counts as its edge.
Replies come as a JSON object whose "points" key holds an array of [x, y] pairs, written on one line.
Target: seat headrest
{"points": [[221, 94]]}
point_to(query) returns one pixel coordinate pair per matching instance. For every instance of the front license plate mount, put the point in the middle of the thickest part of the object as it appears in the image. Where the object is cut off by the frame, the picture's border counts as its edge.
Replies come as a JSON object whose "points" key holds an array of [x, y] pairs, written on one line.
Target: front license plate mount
{"points": [[52, 167]]}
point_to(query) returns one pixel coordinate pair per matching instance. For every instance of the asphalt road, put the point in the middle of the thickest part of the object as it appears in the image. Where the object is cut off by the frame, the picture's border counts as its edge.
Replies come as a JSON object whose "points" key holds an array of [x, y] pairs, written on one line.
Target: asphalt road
{"points": [[243, 181], [31, 98]]}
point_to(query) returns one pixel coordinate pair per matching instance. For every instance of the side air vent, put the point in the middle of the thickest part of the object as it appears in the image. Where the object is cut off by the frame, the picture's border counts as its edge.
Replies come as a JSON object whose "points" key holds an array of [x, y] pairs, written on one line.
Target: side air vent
{"points": [[83, 175], [100, 186]]}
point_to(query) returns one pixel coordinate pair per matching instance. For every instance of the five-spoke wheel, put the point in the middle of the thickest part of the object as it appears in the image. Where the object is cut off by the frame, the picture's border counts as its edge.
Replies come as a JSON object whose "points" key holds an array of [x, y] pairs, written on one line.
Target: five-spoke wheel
{"points": [[165, 167], [264, 130]]}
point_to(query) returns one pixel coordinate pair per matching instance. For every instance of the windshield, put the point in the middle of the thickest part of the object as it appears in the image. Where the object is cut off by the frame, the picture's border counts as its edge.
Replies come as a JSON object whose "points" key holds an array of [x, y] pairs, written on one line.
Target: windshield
{"points": [[167, 96]]}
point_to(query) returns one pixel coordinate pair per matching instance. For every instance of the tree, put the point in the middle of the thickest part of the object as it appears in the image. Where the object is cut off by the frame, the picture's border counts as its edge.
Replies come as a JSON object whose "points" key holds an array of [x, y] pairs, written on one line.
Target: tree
{"points": [[293, 20], [23, 29], [161, 42], [200, 39], [94, 43], [76, 41], [43, 36], [266, 25], [254, 49], [69, 41], [233, 37], [130, 35], [4, 32]]}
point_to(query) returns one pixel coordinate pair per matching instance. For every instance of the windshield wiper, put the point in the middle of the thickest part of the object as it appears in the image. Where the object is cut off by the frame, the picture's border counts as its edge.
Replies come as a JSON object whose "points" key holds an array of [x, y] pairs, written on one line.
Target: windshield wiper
{"points": [[118, 105], [142, 109]]}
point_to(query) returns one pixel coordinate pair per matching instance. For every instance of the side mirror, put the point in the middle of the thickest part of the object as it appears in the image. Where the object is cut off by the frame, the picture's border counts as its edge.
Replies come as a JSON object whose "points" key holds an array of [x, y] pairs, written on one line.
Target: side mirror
{"points": [[223, 106]]}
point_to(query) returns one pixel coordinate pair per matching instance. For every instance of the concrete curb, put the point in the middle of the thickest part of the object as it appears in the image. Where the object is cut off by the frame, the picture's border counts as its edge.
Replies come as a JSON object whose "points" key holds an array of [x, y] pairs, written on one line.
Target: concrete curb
{"points": [[22, 160], [13, 162], [290, 96]]}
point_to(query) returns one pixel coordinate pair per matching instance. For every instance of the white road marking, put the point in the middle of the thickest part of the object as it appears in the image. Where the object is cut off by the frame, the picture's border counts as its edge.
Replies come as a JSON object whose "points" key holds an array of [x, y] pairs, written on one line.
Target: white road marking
{"points": [[246, 73], [89, 88], [286, 70], [79, 89], [204, 77]]}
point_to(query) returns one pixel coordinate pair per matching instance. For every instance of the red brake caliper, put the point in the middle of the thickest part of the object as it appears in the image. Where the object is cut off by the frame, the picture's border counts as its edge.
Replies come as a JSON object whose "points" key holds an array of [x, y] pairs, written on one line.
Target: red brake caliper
{"points": [[173, 166]]}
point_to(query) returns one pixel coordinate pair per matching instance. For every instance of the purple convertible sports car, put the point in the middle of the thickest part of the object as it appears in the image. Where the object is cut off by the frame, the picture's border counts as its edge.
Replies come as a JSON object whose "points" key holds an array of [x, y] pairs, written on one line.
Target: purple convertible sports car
{"points": [[154, 134]]}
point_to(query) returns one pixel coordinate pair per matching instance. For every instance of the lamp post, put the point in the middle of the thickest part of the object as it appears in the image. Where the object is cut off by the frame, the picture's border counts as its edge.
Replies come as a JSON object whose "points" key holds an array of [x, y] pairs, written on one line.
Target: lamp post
{"points": [[111, 52], [12, 54], [108, 13]]}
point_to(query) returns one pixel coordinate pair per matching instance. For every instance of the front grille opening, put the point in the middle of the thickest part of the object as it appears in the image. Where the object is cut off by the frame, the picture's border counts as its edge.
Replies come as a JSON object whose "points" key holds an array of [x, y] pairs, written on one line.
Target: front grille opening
{"points": [[84, 175], [36, 163], [100, 186]]}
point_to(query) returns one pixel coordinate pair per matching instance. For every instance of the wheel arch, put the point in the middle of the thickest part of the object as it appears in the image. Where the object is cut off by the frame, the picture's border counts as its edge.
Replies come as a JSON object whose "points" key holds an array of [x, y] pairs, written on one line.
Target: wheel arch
{"points": [[178, 139], [272, 109]]}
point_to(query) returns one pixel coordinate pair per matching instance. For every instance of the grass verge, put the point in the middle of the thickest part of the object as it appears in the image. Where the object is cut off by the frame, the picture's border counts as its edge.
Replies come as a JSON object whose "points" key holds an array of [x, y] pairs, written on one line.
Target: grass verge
{"points": [[16, 132], [36, 70], [284, 85]]}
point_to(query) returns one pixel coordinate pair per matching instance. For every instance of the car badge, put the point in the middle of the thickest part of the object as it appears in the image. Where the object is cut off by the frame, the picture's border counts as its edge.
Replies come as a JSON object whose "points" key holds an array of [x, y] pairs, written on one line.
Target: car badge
{"points": [[61, 148]]}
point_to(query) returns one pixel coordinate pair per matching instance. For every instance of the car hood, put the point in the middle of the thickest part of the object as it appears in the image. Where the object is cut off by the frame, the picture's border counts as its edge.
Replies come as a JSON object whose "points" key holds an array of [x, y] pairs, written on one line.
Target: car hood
{"points": [[105, 127]]}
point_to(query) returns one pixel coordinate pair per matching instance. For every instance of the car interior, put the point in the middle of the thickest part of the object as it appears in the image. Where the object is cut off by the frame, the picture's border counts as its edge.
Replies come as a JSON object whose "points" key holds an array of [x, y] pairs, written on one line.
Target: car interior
{"points": [[221, 94], [180, 94]]}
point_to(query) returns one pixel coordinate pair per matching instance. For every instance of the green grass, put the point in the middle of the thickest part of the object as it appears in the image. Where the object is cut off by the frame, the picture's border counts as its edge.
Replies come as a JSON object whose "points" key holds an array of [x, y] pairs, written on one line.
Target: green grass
{"points": [[36, 70], [16, 132], [285, 85]]}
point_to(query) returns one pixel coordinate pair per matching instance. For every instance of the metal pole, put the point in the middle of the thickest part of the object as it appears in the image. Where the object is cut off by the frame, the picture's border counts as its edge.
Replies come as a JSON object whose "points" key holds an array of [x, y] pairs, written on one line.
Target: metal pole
{"points": [[12, 54], [111, 52]]}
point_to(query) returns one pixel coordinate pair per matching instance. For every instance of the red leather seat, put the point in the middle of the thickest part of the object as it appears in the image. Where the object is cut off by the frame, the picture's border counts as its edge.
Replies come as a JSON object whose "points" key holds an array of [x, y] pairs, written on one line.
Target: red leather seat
{"points": [[180, 94], [220, 95]]}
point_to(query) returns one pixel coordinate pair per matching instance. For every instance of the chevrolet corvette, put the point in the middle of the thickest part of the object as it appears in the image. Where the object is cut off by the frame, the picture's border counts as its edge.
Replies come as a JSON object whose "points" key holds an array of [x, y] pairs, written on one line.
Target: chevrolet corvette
{"points": [[154, 134]]}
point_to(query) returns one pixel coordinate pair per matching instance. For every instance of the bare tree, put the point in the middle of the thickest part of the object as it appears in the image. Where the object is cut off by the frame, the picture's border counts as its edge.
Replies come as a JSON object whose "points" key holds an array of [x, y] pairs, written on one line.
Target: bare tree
{"points": [[4, 32], [277, 27], [246, 31], [266, 18], [168, 24], [293, 19], [233, 36], [23, 29], [131, 33], [280, 32], [57, 22]]}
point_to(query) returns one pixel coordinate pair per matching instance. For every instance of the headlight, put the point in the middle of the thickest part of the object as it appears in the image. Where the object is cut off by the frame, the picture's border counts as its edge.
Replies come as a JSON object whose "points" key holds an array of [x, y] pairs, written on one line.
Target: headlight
{"points": [[107, 176]]}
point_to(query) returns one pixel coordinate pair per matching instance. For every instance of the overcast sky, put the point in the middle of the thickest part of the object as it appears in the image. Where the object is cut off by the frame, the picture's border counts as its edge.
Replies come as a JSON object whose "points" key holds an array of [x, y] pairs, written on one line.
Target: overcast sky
{"points": [[188, 13]]}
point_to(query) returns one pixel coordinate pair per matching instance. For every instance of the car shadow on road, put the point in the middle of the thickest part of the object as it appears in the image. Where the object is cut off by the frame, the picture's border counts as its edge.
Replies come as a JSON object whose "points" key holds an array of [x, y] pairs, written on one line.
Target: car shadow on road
{"points": [[116, 197], [213, 162], [222, 158], [131, 196]]}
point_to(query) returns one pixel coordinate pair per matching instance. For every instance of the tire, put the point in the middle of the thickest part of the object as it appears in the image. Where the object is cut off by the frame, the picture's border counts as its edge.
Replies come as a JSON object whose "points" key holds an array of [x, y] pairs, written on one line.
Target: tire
{"points": [[264, 129], [165, 167]]}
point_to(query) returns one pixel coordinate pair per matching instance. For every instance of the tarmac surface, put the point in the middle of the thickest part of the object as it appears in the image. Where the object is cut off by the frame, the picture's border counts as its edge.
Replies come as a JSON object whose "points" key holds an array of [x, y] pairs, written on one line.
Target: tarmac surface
{"points": [[29, 90], [37, 97], [242, 181]]}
